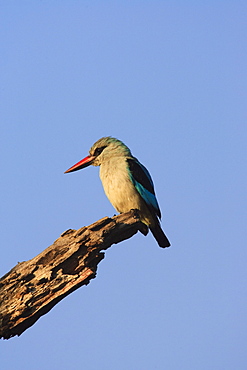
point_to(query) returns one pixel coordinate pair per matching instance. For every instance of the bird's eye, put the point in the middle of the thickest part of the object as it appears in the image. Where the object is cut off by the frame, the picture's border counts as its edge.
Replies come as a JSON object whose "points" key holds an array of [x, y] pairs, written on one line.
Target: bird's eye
{"points": [[98, 151]]}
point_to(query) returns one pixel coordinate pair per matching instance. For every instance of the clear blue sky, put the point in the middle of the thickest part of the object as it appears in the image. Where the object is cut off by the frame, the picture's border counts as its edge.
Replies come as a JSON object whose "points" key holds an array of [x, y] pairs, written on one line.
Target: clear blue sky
{"points": [[169, 78]]}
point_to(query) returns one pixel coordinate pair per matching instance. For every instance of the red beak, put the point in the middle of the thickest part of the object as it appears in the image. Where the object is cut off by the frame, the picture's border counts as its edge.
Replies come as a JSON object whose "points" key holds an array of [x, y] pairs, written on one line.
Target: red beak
{"points": [[82, 164]]}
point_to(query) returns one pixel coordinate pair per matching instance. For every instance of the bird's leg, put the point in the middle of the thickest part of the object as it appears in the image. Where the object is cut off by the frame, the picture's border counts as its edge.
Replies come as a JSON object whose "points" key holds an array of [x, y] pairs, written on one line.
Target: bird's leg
{"points": [[135, 213], [143, 228]]}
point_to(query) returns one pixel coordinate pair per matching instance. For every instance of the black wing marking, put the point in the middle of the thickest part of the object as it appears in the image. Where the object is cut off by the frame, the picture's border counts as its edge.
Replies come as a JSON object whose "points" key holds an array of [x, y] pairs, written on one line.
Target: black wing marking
{"points": [[141, 174]]}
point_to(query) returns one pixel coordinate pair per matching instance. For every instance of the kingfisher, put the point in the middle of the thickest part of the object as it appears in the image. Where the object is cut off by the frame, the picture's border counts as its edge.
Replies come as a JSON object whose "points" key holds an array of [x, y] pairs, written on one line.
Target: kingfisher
{"points": [[126, 182]]}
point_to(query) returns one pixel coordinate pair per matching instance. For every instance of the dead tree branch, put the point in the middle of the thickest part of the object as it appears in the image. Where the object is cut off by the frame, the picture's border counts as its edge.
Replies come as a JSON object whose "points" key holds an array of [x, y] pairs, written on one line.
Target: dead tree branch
{"points": [[33, 287]]}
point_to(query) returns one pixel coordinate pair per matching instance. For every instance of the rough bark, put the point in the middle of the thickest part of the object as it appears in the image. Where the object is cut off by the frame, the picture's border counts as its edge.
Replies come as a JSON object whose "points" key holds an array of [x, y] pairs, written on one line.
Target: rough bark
{"points": [[33, 287]]}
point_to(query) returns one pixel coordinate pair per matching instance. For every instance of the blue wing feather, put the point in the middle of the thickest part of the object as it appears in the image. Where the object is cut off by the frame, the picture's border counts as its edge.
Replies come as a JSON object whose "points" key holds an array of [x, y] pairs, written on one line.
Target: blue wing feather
{"points": [[143, 184]]}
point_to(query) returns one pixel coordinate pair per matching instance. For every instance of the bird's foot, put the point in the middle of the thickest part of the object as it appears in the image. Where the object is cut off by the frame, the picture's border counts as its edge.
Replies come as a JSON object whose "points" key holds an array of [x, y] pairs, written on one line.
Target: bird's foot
{"points": [[143, 227], [135, 213]]}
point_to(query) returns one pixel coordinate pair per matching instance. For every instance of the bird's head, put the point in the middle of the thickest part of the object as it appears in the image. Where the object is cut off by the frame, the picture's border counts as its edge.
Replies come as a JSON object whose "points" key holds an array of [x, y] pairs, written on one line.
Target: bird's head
{"points": [[101, 151]]}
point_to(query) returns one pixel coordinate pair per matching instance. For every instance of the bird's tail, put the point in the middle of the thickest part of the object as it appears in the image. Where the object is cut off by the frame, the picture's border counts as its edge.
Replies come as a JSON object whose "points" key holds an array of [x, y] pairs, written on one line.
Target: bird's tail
{"points": [[159, 235]]}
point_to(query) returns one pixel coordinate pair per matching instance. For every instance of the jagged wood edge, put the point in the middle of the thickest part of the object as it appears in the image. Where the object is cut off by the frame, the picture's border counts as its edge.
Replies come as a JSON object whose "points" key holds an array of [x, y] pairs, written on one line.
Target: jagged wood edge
{"points": [[32, 288]]}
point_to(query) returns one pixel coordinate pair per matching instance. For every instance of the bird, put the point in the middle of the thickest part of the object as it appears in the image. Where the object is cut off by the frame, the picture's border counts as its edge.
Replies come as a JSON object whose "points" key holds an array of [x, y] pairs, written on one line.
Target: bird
{"points": [[126, 182]]}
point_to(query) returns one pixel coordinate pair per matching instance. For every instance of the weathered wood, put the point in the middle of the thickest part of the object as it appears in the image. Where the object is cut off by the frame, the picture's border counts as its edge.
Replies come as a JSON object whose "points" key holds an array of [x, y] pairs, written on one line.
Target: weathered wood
{"points": [[33, 287]]}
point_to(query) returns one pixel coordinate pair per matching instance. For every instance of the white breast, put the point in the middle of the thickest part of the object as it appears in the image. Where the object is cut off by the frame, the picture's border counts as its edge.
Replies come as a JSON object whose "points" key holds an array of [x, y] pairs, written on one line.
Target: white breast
{"points": [[118, 186]]}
